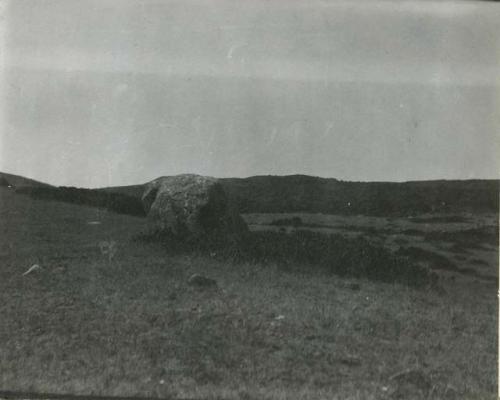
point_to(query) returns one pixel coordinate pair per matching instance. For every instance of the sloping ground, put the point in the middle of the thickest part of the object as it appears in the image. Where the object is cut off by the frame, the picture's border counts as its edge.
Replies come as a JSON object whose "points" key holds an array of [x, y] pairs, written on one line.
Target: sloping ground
{"points": [[94, 320], [112, 201], [19, 181], [301, 193], [130, 190]]}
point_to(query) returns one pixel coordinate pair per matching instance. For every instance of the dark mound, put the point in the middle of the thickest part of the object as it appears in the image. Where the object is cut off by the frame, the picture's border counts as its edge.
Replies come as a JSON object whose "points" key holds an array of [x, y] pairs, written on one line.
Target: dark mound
{"points": [[303, 250]]}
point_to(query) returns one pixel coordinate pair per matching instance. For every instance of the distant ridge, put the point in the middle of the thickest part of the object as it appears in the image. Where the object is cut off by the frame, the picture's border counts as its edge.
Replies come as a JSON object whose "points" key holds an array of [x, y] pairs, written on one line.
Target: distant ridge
{"points": [[115, 201], [20, 181], [304, 193]]}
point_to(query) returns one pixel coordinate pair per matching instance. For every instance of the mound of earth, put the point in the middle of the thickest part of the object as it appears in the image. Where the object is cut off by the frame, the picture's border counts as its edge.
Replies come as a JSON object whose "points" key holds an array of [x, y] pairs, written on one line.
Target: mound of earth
{"points": [[191, 205]]}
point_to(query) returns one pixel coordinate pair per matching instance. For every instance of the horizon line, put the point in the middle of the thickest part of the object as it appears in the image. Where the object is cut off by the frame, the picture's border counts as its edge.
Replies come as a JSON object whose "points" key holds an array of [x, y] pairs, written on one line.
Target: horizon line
{"points": [[263, 176]]}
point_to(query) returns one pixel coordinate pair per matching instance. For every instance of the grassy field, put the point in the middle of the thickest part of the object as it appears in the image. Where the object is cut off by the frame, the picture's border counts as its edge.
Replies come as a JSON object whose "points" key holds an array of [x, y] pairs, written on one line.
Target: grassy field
{"points": [[121, 319]]}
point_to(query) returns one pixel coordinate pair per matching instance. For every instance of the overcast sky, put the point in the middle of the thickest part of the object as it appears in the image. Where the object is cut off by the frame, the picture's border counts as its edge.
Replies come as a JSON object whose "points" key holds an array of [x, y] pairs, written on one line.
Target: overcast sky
{"points": [[111, 92]]}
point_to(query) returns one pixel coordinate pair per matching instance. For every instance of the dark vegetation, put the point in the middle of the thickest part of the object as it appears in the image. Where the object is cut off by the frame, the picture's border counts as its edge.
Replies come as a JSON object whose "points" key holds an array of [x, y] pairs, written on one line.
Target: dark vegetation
{"points": [[19, 181], [468, 238], [116, 202], [438, 261], [130, 190], [472, 238], [299, 193], [293, 221], [302, 193], [456, 248], [401, 241], [477, 261], [4, 182], [328, 253], [443, 219]]}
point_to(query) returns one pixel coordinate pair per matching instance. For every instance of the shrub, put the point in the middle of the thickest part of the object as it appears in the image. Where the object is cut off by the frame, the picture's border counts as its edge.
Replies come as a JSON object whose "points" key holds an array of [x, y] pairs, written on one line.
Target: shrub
{"points": [[294, 221], [332, 253]]}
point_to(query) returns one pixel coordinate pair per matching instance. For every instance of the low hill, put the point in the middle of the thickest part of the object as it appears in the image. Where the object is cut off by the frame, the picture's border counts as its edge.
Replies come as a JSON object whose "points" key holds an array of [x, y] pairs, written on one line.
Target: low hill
{"points": [[302, 193], [130, 190], [299, 193], [19, 181], [109, 200]]}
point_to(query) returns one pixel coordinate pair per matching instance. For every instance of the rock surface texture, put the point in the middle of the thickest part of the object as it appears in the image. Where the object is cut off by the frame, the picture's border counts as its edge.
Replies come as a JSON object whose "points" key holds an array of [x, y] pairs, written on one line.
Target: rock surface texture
{"points": [[191, 205]]}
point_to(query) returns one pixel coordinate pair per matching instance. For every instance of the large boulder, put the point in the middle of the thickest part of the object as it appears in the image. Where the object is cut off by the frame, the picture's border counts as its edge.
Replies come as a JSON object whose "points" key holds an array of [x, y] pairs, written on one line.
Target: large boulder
{"points": [[191, 205]]}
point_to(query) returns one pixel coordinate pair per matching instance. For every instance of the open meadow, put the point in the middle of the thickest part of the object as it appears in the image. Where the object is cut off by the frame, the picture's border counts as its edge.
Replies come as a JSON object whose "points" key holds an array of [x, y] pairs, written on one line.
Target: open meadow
{"points": [[107, 314]]}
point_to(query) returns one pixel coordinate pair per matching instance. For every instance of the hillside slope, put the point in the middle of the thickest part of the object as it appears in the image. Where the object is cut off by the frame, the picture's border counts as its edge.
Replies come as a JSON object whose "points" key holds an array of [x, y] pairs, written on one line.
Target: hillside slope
{"points": [[302, 193], [298, 193], [129, 190], [20, 181]]}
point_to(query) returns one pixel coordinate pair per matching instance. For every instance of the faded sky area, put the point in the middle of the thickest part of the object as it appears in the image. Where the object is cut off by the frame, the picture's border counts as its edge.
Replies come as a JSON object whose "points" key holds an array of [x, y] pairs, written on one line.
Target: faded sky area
{"points": [[112, 92]]}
